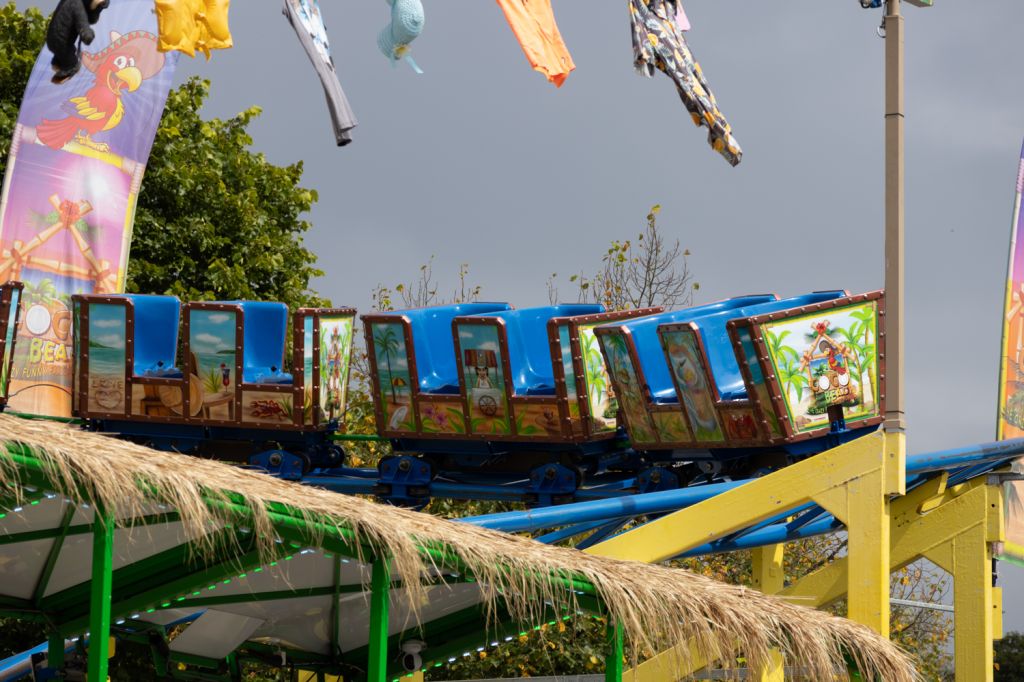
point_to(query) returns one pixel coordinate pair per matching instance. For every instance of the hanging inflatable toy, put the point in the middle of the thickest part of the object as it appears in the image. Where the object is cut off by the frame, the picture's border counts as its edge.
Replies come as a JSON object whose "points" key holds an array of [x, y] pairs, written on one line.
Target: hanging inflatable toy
{"points": [[193, 25], [405, 26], [69, 27]]}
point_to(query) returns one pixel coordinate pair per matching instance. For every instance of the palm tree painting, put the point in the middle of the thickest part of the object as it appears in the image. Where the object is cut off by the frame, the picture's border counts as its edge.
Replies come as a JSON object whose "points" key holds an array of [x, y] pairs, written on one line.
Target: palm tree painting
{"points": [[39, 293], [386, 343], [791, 375], [602, 403], [867, 317]]}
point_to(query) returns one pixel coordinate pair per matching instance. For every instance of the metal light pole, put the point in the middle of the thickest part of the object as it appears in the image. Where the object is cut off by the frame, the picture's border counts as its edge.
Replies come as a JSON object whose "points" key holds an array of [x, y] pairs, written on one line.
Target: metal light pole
{"points": [[895, 420]]}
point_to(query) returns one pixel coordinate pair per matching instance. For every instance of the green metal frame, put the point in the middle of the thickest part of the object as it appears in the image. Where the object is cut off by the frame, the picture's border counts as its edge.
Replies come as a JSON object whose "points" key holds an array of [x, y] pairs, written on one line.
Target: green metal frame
{"points": [[54, 554], [380, 600], [336, 609], [66, 530], [100, 593], [144, 587], [613, 662]]}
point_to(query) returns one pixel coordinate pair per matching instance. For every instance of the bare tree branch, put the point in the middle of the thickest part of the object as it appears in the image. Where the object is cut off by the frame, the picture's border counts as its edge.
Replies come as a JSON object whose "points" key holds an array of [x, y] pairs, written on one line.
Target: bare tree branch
{"points": [[647, 272]]}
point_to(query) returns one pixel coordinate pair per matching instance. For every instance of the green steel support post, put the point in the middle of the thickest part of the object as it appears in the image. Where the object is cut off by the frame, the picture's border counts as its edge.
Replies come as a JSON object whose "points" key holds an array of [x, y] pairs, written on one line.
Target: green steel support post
{"points": [[51, 559], [380, 585], [234, 667], [336, 611], [613, 661], [100, 597], [55, 651]]}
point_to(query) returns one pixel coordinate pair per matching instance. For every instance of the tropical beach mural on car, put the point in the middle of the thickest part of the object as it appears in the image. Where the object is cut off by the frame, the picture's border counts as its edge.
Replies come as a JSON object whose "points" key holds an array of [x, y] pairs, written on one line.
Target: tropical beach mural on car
{"points": [[568, 371], [601, 396], [757, 382], [483, 375], [391, 358], [107, 334], [212, 342], [826, 359]]}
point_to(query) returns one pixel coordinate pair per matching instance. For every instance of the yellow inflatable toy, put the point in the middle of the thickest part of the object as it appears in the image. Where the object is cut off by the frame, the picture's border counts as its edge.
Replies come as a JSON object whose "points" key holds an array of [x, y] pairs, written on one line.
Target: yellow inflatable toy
{"points": [[193, 25]]}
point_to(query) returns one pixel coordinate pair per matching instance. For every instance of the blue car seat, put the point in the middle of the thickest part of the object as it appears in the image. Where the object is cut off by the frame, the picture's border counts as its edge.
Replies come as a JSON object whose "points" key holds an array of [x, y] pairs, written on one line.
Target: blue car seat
{"points": [[155, 344], [644, 331], [432, 340], [263, 342], [529, 350], [713, 330]]}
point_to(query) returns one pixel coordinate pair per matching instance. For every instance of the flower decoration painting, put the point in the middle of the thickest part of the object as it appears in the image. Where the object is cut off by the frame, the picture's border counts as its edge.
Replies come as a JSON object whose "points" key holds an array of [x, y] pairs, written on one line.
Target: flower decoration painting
{"points": [[73, 178]]}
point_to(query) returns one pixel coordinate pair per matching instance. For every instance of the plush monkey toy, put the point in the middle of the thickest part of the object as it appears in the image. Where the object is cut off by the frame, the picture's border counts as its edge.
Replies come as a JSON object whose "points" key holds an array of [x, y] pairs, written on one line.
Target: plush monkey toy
{"points": [[71, 21]]}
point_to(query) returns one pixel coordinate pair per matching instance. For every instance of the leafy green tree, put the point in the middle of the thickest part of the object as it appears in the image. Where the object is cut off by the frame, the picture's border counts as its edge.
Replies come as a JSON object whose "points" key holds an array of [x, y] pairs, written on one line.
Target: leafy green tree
{"points": [[216, 220], [21, 37], [1010, 658]]}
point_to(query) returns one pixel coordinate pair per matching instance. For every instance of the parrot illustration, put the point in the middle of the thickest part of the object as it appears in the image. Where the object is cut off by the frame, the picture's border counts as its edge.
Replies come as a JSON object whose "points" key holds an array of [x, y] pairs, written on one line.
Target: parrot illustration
{"points": [[119, 68]]}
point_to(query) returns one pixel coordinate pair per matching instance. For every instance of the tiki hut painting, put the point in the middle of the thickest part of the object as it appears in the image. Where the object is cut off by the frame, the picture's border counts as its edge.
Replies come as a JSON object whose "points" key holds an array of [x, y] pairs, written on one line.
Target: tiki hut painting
{"points": [[826, 364]]}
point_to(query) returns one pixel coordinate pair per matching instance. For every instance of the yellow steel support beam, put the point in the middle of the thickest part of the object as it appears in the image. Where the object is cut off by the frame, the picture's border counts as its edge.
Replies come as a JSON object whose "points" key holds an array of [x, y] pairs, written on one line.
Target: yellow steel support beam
{"points": [[955, 527], [853, 481], [768, 577], [668, 666], [316, 676], [967, 556], [997, 613], [863, 506], [830, 582]]}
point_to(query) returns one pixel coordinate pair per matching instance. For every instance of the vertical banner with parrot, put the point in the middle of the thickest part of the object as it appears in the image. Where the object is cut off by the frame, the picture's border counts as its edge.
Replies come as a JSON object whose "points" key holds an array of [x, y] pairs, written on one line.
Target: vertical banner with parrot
{"points": [[72, 183], [1010, 419]]}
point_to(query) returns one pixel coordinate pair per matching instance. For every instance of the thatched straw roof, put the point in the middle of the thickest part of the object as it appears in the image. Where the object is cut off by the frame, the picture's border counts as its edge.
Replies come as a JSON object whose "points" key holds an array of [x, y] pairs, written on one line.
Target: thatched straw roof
{"points": [[656, 605]]}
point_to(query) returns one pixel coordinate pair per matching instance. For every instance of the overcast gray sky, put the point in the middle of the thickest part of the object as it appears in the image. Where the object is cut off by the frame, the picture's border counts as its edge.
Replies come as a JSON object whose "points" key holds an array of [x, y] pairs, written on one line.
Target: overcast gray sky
{"points": [[481, 161]]}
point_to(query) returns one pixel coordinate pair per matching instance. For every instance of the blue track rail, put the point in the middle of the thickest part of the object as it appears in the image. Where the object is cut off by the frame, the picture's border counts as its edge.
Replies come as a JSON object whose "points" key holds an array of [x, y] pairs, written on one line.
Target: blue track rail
{"points": [[613, 495], [567, 520]]}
